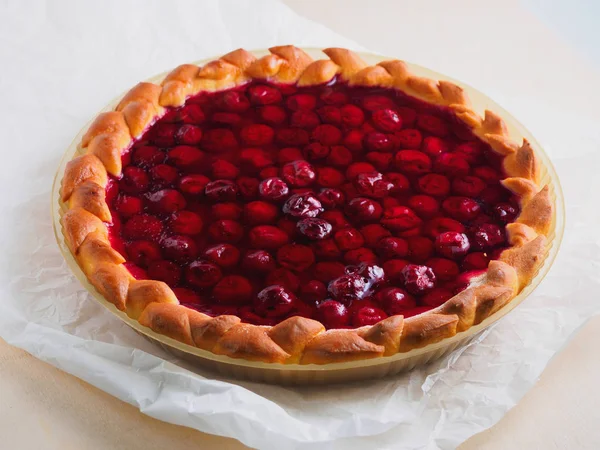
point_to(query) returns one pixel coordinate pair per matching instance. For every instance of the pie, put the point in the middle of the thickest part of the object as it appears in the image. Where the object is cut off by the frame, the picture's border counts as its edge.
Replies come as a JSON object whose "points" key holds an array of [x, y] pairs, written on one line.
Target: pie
{"points": [[293, 211]]}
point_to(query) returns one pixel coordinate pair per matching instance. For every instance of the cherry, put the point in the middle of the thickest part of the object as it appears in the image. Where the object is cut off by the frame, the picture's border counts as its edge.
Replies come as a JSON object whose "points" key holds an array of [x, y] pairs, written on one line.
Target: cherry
{"points": [[143, 252], [163, 175], [224, 255], [327, 134], [273, 115], [444, 269], [283, 277], [373, 233], [226, 211], [186, 222], [226, 230], [165, 201], [304, 119], [192, 114], [255, 158], [434, 146], [193, 184], [234, 101], [452, 244], [360, 255], [302, 206], [351, 116], [289, 154], [468, 186], [329, 177], [326, 271], [226, 118], [424, 205], [179, 247], [401, 184], [163, 134], [400, 218], [471, 151], [258, 261], [378, 142], [187, 297], [436, 297], [257, 135], [386, 120], [434, 184], [348, 239], [348, 288], [233, 290], [224, 170], [219, 140], [364, 209], [439, 225], [367, 315], [142, 226], [332, 97], [392, 247], [221, 190], [166, 271], [273, 188], [418, 279], [353, 140], [263, 95], [203, 274], [505, 212], [380, 160], [267, 237], [330, 114], [375, 102], [486, 236], [313, 291], [332, 314], [395, 300], [393, 269], [259, 213], [298, 173], [412, 162], [274, 301], [134, 181], [128, 206], [420, 248], [188, 134], [316, 151], [326, 249], [331, 198], [452, 165], [461, 208], [315, 229], [147, 156], [432, 125], [475, 261], [292, 137], [301, 102], [372, 184], [409, 139], [296, 257]]}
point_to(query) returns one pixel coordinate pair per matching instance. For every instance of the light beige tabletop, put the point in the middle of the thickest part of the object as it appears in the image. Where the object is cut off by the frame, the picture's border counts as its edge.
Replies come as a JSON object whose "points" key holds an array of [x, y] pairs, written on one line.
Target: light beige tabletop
{"points": [[44, 408]]}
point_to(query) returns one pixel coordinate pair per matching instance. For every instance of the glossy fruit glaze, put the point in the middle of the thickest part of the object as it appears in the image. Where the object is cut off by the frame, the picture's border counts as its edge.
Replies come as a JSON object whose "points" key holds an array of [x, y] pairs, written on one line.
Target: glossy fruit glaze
{"points": [[337, 203]]}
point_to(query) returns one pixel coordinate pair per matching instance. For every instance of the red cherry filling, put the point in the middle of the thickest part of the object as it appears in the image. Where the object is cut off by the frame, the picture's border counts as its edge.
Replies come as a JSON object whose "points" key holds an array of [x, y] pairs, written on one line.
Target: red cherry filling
{"points": [[340, 203]]}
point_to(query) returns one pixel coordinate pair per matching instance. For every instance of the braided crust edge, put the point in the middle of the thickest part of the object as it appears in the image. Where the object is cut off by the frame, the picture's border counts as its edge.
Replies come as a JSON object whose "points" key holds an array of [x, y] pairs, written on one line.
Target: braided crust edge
{"points": [[296, 340]]}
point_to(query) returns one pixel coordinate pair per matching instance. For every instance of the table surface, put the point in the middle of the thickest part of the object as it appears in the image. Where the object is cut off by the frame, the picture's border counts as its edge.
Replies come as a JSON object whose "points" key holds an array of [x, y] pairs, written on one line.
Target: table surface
{"points": [[42, 407]]}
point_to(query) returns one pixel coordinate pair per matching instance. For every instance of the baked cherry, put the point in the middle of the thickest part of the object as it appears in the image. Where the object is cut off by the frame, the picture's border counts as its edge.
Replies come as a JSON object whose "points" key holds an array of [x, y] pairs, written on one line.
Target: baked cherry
{"points": [[461, 208], [192, 114], [302, 206], [418, 279], [386, 120], [440, 225], [226, 118], [329, 177], [188, 134], [475, 261], [400, 218], [127, 205], [471, 151], [163, 134], [221, 190], [163, 175], [147, 156], [186, 222], [274, 301], [219, 140], [273, 115], [348, 288], [409, 139], [360, 255], [228, 210], [143, 226], [444, 269], [468, 186], [165, 201], [143, 253], [373, 233], [224, 255], [229, 231], [326, 271], [203, 274], [263, 95], [296, 257], [292, 137], [257, 135], [260, 212], [378, 142], [375, 102], [326, 249], [451, 164], [331, 198], [233, 290], [348, 239], [380, 160], [432, 125], [234, 101], [424, 206], [339, 156], [351, 116], [332, 314], [259, 261], [179, 248], [135, 180], [267, 237], [224, 170], [353, 140], [486, 173], [330, 114], [283, 277], [301, 102], [452, 244], [188, 297], [367, 315], [329, 96], [395, 300], [313, 291], [372, 184], [298, 173], [434, 146], [505, 212], [193, 184], [166, 271], [186, 157], [420, 248], [392, 247], [434, 184], [314, 229], [364, 209], [486, 236], [436, 297], [273, 188], [393, 269]]}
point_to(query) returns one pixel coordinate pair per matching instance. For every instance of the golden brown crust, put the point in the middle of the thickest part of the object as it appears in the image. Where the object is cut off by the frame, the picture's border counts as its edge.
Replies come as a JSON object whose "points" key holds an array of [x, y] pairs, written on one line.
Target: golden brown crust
{"points": [[79, 170], [295, 340]]}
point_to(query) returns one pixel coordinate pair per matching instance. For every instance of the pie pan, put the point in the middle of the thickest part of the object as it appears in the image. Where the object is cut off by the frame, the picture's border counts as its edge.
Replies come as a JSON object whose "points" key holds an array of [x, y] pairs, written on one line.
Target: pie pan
{"points": [[346, 371]]}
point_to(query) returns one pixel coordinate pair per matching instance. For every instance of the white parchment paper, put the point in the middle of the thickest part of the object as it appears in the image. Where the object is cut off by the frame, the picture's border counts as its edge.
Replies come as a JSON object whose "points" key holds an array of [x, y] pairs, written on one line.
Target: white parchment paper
{"points": [[63, 61]]}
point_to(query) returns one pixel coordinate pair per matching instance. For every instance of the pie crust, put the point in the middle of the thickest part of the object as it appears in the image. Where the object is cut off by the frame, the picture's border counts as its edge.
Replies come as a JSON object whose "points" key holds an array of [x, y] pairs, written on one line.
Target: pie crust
{"points": [[296, 340]]}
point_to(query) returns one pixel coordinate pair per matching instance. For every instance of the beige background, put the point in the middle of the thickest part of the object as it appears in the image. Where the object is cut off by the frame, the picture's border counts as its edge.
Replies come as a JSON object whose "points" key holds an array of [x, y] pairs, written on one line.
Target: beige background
{"points": [[42, 407]]}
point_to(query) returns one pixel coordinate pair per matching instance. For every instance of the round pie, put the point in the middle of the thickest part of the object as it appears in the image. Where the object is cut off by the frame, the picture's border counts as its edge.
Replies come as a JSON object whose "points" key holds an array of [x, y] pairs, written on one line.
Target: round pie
{"points": [[286, 210]]}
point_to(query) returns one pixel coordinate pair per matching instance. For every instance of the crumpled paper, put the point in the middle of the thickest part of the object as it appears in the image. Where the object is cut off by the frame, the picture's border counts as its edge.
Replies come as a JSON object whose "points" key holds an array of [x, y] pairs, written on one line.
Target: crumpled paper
{"points": [[60, 72]]}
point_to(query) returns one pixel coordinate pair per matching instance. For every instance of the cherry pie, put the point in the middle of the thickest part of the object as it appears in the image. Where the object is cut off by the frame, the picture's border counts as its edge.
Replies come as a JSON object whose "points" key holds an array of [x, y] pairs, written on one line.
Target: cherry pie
{"points": [[287, 210]]}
